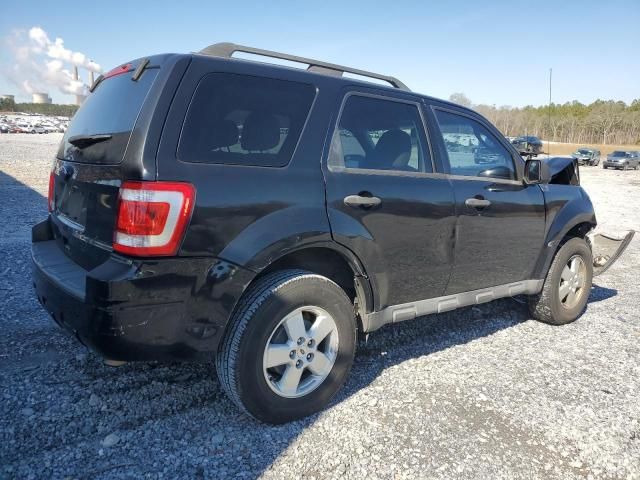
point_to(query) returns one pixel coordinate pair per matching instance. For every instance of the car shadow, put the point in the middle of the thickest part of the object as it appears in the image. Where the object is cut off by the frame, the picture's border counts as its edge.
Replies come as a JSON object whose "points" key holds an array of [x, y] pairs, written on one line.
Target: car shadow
{"points": [[175, 415], [599, 293]]}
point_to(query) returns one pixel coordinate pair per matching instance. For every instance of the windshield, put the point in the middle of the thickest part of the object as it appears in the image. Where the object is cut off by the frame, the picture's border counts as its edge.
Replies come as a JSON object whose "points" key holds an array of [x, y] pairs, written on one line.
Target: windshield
{"points": [[619, 154], [112, 109], [584, 152]]}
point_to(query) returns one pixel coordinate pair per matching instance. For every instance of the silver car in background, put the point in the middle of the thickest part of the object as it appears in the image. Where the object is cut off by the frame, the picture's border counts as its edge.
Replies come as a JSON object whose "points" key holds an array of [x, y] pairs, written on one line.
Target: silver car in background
{"points": [[622, 159], [587, 156]]}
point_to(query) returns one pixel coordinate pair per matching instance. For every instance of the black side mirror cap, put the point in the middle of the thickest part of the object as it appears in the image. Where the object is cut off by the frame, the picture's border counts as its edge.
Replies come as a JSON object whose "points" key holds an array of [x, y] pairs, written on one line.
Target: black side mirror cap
{"points": [[536, 172]]}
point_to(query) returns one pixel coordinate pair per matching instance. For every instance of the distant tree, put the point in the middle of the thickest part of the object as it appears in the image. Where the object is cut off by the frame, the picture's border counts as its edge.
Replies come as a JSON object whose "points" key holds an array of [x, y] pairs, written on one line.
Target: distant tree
{"points": [[460, 99], [47, 109], [7, 105], [603, 121]]}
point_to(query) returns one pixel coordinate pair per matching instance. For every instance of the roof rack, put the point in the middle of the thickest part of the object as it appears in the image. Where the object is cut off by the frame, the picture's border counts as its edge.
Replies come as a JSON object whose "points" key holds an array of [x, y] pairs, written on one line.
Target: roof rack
{"points": [[226, 50]]}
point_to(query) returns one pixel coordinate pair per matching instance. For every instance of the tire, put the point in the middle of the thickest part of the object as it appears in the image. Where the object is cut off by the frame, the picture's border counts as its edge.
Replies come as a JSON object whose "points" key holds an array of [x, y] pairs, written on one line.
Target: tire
{"points": [[548, 306], [604, 166], [258, 322]]}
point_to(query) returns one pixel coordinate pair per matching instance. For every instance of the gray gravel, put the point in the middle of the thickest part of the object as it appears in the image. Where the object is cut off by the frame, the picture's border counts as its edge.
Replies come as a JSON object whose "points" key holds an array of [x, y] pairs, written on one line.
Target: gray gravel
{"points": [[484, 392]]}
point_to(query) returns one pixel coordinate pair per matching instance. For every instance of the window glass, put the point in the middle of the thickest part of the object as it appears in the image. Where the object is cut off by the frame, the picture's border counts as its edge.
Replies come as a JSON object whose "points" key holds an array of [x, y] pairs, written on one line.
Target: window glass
{"points": [[244, 120], [379, 134], [112, 109], [473, 151]]}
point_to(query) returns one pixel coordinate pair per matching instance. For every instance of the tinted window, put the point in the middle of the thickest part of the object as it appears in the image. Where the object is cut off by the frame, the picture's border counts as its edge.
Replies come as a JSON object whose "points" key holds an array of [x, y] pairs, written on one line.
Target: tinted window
{"points": [[379, 134], [472, 150], [111, 109], [244, 120]]}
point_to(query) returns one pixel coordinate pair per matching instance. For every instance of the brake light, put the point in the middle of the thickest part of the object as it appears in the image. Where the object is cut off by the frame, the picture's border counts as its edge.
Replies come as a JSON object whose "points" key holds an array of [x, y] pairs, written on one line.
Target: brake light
{"points": [[152, 217], [118, 71], [50, 198]]}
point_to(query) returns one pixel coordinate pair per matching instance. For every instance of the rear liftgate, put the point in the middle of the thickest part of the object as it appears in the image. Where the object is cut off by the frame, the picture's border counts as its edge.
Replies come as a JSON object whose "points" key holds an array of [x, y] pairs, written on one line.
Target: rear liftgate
{"points": [[607, 249]]}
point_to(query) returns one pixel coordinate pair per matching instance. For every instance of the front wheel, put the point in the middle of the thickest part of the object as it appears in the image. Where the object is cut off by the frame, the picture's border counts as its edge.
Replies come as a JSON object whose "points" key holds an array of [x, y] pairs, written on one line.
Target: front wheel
{"points": [[289, 347], [566, 289]]}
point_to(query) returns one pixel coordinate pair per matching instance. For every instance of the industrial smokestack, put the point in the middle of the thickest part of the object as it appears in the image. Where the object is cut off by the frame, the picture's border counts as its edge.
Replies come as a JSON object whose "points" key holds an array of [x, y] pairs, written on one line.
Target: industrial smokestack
{"points": [[76, 78], [79, 98]]}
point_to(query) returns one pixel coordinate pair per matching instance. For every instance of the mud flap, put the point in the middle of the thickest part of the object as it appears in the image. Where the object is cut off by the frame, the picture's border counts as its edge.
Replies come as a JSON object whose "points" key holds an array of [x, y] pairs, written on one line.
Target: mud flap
{"points": [[607, 249]]}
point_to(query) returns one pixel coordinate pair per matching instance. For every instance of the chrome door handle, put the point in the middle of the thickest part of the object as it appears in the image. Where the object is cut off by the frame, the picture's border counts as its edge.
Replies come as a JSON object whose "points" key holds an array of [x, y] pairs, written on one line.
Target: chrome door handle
{"points": [[361, 201], [477, 202]]}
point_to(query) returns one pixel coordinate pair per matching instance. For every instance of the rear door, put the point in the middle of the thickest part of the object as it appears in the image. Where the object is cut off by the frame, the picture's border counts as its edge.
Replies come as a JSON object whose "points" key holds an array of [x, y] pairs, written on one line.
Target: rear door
{"points": [[500, 220], [385, 200]]}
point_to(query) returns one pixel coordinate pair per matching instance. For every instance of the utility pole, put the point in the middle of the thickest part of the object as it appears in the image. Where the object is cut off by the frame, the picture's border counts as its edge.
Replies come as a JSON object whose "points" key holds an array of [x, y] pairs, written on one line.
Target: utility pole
{"points": [[549, 140]]}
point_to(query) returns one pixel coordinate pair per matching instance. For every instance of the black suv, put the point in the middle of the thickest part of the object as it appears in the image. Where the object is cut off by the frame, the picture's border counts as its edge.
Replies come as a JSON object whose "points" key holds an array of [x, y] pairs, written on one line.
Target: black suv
{"points": [[265, 216]]}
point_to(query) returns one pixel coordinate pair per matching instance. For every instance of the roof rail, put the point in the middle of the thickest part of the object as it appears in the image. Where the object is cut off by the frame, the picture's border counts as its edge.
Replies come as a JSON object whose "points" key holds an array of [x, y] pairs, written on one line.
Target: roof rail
{"points": [[226, 50]]}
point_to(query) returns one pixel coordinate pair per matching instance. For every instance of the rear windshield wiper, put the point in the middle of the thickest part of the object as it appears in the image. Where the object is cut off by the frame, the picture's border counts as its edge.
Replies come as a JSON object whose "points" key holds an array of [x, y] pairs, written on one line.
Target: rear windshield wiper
{"points": [[82, 141]]}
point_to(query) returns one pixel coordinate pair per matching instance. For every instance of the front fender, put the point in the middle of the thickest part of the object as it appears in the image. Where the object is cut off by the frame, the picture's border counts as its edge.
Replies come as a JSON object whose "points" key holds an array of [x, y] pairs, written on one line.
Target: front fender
{"points": [[567, 206]]}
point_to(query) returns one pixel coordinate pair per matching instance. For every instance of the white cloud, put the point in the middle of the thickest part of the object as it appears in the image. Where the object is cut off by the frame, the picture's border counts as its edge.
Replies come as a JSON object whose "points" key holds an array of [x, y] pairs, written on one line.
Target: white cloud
{"points": [[40, 63]]}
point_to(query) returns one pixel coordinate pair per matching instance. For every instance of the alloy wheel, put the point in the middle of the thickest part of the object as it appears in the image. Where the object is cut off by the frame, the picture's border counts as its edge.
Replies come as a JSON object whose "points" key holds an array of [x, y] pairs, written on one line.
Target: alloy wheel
{"points": [[572, 282], [300, 352]]}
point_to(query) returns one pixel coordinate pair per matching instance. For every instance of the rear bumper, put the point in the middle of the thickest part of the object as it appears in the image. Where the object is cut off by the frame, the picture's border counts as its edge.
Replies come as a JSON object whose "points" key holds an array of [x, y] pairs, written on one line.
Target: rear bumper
{"points": [[168, 308]]}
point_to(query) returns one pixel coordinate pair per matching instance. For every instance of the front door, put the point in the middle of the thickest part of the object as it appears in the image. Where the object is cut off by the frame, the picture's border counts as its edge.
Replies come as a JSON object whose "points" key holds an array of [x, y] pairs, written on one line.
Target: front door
{"points": [[384, 200], [500, 220]]}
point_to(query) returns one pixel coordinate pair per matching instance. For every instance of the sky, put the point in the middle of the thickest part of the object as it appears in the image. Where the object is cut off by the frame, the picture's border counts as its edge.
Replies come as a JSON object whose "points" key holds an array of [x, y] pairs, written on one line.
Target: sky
{"points": [[496, 53]]}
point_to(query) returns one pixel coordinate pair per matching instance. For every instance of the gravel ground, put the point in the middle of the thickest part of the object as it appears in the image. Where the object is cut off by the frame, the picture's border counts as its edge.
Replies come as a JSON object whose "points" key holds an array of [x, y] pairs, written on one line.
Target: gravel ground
{"points": [[484, 392]]}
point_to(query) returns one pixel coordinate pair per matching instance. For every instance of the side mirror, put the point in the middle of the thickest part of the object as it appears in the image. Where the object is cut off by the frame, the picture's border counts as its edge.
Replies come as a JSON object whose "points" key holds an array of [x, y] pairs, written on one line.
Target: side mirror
{"points": [[535, 171]]}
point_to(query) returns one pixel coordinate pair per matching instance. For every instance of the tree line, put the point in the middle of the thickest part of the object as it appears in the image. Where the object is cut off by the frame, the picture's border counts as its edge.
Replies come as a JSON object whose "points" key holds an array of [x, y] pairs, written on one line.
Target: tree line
{"points": [[601, 122], [52, 109]]}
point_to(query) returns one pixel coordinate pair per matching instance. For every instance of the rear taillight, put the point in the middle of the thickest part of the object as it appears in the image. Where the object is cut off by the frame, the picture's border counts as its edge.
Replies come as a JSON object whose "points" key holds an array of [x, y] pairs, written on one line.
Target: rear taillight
{"points": [[152, 217], [50, 198]]}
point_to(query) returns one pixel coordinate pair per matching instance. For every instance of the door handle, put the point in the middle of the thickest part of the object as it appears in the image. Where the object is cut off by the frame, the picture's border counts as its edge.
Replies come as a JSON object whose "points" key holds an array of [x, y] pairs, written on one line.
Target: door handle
{"points": [[478, 203], [361, 201]]}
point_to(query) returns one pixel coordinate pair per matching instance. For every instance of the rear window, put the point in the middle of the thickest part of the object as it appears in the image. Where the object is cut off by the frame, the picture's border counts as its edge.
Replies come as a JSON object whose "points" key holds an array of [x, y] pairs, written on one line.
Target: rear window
{"points": [[112, 109], [244, 120]]}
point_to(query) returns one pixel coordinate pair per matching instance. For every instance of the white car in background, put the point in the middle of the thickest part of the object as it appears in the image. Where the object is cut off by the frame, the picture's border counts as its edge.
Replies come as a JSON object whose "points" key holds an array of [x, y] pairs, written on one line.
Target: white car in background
{"points": [[37, 129]]}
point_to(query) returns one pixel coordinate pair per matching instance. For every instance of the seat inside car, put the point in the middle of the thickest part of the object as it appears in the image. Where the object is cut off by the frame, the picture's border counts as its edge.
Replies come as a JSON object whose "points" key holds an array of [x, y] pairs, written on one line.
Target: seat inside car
{"points": [[392, 152]]}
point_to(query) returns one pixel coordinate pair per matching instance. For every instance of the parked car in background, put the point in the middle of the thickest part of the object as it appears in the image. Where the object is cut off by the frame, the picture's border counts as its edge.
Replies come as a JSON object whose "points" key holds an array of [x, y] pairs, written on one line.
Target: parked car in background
{"points": [[22, 128], [37, 129], [587, 156], [623, 160], [4, 128], [528, 145]]}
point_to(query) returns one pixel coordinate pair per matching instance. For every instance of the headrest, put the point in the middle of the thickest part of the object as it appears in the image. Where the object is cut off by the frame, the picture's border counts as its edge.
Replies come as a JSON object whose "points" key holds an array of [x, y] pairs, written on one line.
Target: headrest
{"points": [[261, 131], [225, 133], [391, 145]]}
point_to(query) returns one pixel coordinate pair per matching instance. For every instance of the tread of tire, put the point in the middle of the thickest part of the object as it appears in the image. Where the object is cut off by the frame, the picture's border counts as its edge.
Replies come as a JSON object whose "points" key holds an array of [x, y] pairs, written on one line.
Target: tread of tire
{"points": [[539, 304], [227, 355]]}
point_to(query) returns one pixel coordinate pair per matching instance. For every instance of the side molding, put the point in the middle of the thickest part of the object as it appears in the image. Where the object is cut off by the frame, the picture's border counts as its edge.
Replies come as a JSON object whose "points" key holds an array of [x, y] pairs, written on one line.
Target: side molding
{"points": [[409, 311]]}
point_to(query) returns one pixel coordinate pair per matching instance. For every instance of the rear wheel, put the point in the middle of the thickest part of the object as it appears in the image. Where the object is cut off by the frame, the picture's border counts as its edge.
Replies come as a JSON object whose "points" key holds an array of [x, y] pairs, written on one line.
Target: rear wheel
{"points": [[567, 286], [289, 347]]}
